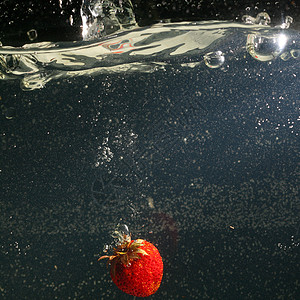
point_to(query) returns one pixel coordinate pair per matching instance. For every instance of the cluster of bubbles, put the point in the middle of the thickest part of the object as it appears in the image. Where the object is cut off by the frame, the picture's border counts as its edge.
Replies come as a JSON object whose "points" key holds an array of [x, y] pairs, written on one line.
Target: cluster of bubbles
{"points": [[292, 245], [120, 235], [263, 46], [261, 19]]}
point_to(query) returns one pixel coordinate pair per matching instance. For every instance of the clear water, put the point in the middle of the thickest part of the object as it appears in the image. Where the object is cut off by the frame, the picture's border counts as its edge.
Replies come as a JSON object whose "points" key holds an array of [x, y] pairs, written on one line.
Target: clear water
{"points": [[188, 133]]}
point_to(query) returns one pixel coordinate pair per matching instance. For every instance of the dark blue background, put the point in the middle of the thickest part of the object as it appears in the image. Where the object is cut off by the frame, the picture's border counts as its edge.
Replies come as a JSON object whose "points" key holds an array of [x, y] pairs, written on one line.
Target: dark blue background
{"points": [[214, 148]]}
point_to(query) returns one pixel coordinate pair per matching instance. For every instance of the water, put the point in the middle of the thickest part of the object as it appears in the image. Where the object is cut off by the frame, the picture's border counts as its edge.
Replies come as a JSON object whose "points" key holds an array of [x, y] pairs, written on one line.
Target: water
{"points": [[188, 133]]}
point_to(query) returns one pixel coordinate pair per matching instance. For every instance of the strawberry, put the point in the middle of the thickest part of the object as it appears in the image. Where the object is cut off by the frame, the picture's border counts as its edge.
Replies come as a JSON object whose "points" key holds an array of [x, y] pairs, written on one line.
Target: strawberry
{"points": [[136, 267]]}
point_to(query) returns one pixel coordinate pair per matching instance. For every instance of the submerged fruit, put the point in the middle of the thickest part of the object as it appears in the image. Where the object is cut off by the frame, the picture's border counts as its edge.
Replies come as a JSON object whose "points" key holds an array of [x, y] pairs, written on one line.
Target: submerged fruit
{"points": [[136, 267]]}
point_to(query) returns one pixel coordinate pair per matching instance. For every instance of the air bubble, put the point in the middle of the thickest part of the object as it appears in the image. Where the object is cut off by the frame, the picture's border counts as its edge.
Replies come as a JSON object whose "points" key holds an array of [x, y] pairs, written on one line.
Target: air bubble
{"points": [[214, 60], [10, 113], [266, 47], [32, 34], [295, 53]]}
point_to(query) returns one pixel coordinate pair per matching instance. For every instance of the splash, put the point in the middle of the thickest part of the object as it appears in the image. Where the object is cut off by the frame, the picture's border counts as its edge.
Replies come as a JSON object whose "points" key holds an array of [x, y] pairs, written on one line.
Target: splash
{"points": [[104, 17], [120, 235]]}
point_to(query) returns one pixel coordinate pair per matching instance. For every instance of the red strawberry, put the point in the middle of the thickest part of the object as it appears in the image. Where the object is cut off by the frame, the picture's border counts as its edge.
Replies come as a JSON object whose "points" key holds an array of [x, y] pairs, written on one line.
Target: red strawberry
{"points": [[136, 267]]}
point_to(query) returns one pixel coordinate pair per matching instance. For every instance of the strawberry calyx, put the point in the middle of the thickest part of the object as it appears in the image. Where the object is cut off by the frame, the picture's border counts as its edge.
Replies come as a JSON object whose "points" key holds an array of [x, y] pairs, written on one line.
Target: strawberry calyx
{"points": [[125, 253]]}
